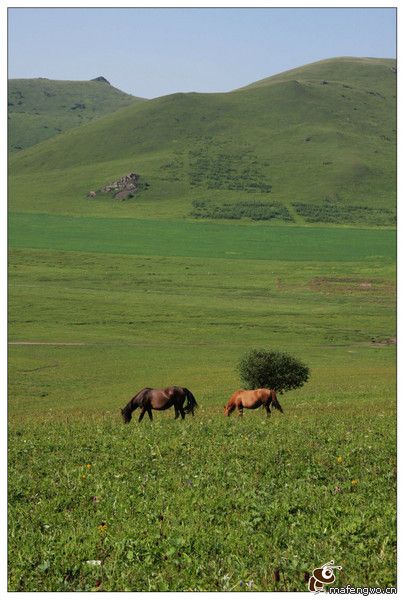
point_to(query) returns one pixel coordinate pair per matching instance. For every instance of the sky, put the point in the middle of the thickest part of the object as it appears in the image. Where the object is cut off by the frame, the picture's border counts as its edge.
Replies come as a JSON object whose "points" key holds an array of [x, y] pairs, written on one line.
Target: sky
{"points": [[152, 52]]}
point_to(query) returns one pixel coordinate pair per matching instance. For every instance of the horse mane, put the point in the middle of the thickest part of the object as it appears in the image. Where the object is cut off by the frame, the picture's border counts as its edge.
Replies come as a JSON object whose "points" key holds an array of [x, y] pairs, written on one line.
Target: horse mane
{"points": [[139, 398]]}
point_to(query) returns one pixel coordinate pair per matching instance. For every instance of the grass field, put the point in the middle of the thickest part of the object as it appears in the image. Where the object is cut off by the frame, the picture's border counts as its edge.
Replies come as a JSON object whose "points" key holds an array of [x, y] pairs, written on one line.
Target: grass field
{"points": [[267, 222], [99, 308]]}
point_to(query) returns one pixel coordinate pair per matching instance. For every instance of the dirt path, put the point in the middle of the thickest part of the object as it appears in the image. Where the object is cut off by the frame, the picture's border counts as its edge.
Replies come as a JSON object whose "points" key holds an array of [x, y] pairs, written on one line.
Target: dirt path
{"points": [[46, 344]]}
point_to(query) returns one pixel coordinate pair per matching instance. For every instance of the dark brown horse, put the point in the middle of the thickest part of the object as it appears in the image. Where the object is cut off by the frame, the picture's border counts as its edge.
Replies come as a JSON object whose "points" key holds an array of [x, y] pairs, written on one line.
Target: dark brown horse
{"points": [[252, 399], [150, 399]]}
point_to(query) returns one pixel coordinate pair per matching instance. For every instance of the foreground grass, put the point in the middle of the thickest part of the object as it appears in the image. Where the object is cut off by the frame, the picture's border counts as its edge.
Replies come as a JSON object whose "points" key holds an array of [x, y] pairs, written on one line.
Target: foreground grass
{"points": [[209, 503]]}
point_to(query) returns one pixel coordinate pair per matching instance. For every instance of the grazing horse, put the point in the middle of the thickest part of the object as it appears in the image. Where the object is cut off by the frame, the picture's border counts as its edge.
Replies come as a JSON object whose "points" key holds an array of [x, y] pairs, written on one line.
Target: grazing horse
{"points": [[150, 399], [252, 399]]}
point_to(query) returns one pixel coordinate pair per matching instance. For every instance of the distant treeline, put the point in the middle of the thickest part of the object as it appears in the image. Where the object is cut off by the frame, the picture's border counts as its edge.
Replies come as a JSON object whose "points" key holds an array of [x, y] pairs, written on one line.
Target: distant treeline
{"points": [[256, 211]]}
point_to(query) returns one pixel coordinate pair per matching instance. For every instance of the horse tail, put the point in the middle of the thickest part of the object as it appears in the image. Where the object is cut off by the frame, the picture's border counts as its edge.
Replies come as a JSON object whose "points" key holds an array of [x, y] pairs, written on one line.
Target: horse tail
{"points": [[275, 402], [191, 402]]}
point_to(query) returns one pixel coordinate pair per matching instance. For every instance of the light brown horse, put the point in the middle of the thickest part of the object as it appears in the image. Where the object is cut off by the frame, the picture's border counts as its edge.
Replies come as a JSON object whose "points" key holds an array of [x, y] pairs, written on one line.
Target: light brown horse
{"points": [[252, 399], [149, 399]]}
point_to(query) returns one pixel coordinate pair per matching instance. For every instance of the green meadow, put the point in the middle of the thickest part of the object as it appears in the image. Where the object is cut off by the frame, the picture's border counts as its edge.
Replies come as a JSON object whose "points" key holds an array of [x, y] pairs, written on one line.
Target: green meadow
{"points": [[268, 222], [209, 503]]}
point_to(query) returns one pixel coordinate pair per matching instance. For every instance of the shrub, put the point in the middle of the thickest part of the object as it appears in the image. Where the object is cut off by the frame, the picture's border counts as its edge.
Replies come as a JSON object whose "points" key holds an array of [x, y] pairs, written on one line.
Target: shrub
{"points": [[334, 211], [216, 167], [257, 211], [271, 369]]}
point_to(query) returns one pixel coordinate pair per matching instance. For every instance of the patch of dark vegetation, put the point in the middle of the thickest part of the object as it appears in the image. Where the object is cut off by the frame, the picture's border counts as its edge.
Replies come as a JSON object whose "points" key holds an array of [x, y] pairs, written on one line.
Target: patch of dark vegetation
{"points": [[17, 93], [216, 167], [171, 171], [373, 93], [78, 105], [384, 341], [256, 211], [335, 211]]}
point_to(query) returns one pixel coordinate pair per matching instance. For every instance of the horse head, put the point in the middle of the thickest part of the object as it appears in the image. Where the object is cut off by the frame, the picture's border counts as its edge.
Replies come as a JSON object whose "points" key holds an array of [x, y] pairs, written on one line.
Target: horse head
{"points": [[126, 414]]}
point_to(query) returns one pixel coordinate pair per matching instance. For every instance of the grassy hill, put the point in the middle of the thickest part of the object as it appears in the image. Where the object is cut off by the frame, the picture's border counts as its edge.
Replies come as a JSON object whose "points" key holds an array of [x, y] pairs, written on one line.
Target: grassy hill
{"points": [[315, 144], [41, 108]]}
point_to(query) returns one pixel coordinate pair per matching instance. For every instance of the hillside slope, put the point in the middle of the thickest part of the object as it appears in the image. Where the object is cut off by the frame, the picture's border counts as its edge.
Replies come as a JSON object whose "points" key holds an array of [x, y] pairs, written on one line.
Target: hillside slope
{"points": [[318, 142], [41, 108]]}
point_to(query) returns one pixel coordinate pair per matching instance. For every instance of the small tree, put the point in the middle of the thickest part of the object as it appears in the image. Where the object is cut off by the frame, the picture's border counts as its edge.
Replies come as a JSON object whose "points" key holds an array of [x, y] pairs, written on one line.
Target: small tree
{"points": [[275, 370]]}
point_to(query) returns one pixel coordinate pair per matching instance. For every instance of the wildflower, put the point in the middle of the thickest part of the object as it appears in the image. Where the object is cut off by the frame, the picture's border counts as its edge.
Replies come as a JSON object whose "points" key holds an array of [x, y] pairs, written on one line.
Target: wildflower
{"points": [[83, 476], [250, 584], [88, 466], [102, 527], [339, 459], [355, 481]]}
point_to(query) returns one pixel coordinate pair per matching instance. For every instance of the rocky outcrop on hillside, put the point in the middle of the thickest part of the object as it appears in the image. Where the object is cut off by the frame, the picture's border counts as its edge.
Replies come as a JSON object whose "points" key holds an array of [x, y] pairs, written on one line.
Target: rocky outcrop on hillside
{"points": [[125, 187], [101, 79]]}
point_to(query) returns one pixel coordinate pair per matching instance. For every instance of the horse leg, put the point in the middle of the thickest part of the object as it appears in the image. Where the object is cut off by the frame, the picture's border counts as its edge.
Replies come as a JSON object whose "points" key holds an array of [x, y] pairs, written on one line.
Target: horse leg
{"points": [[182, 412], [176, 412], [240, 409], [268, 411], [149, 409], [142, 414]]}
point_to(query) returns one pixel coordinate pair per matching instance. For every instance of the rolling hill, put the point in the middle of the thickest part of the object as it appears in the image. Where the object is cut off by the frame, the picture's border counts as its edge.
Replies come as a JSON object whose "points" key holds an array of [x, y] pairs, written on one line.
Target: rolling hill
{"points": [[314, 144], [41, 108]]}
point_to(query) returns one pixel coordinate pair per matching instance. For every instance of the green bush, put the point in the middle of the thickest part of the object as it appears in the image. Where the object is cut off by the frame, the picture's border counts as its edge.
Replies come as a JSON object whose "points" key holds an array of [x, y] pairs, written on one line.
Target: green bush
{"points": [[337, 212], [217, 167], [256, 211], [270, 369]]}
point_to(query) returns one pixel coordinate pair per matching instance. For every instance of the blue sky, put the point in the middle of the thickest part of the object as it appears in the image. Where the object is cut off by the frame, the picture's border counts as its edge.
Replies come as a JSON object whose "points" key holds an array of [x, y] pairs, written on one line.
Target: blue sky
{"points": [[152, 52]]}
